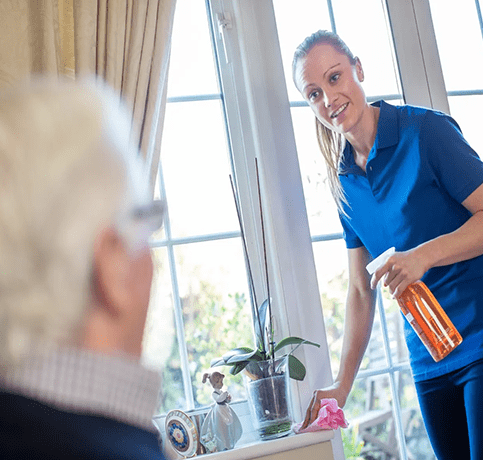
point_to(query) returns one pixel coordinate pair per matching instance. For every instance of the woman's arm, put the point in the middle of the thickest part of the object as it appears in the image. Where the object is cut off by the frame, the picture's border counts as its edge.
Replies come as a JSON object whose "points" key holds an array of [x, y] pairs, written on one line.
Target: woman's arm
{"points": [[359, 317], [404, 268]]}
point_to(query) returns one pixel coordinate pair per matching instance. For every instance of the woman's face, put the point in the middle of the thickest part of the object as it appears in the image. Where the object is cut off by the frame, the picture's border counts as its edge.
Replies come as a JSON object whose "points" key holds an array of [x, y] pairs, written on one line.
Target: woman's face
{"points": [[332, 87]]}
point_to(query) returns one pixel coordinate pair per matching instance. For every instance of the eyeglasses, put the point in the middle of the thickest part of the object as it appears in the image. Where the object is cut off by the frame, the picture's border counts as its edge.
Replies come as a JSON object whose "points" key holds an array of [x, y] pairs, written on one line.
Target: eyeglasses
{"points": [[141, 222], [151, 215]]}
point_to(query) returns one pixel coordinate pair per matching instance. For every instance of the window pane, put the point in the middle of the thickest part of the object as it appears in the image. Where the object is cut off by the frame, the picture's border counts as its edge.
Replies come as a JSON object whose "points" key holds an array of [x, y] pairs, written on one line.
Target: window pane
{"points": [[293, 25], [191, 68], [369, 412], [460, 43], [321, 209], [331, 265], [196, 170], [417, 441], [363, 26], [214, 297], [332, 278], [466, 111], [160, 344], [395, 328], [373, 45]]}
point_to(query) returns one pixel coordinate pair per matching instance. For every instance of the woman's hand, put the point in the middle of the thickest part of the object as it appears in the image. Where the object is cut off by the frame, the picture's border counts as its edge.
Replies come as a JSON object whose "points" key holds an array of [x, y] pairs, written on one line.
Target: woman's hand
{"points": [[400, 270], [334, 391], [359, 317]]}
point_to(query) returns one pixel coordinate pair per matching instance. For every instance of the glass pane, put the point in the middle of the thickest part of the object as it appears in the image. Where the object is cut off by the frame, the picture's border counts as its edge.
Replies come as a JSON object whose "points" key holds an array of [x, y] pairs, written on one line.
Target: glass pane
{"points": [[191, 68], [196, 170], [160, 344], [332, 278], [375, 357], [466, 111], [214, 296], [371, 421], [293, 25], [373, 45], [460, 43], [395, 328], [417, 441], [321, 209]]}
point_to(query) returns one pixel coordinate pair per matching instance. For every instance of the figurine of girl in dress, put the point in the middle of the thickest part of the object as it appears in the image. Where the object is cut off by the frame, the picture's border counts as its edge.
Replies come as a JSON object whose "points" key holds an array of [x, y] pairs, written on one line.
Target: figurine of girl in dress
{"points": [[221, 428]]}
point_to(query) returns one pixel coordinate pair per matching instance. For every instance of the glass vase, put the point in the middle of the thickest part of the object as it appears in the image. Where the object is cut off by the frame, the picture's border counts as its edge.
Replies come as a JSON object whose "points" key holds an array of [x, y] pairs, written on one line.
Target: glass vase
{"points": [[269, 397]]}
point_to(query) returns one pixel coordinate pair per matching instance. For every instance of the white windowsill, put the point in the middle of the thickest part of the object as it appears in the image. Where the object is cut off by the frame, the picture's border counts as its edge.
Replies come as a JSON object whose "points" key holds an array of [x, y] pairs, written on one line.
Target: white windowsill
{"points": [[249, 446], [262, 448]]}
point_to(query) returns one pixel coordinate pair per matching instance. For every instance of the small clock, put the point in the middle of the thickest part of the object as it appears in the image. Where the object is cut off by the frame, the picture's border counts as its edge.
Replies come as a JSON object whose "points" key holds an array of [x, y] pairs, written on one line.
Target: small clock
{"points": [[182, 433]]}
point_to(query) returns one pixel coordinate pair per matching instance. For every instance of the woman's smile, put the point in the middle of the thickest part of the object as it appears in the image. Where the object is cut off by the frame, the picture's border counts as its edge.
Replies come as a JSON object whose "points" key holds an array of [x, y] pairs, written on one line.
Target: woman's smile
{"points": [[339, 110]]}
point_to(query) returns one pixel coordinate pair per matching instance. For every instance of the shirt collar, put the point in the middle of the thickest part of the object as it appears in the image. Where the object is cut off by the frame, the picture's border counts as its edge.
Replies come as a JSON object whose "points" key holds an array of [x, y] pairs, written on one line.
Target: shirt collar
{"points": [[387, 135], [82, 381], [388, 125]]}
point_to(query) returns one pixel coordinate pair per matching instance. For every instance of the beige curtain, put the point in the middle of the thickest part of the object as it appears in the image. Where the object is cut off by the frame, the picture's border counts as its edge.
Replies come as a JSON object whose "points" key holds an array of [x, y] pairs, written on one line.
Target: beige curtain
{"points": [[126, 42]]}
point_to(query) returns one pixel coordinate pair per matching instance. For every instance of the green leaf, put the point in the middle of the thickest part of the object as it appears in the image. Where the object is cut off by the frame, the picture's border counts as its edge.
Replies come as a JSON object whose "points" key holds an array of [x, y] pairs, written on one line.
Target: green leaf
{"points": [[223, 361], [294, 341], [254, 355], [238, 367], [296, 369], [217, 362], [235, 352], [263, 321]]}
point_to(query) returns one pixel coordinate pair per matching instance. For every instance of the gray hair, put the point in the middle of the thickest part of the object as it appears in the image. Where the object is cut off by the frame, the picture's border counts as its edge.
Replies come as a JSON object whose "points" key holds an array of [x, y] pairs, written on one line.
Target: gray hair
{"points": [[66, 172]]}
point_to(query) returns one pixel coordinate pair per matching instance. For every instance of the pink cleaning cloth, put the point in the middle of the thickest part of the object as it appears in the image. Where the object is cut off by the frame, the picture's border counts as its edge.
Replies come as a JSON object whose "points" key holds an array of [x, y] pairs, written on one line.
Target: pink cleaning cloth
{"points": [[330, 417]]}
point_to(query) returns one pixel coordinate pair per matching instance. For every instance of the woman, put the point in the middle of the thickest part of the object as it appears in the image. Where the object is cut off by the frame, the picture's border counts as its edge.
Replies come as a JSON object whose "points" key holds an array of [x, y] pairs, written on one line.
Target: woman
{"points": [[404, 177]]}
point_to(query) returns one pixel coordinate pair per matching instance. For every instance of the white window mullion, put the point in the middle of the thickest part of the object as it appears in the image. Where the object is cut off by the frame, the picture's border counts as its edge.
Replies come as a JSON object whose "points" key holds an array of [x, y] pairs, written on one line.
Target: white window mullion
{"points": [[417, 53], [239, 128]]}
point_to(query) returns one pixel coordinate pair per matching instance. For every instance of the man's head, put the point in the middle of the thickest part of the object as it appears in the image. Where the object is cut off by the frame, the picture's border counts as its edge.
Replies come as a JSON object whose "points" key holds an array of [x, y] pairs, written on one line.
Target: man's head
{"points": [[73, 200]]}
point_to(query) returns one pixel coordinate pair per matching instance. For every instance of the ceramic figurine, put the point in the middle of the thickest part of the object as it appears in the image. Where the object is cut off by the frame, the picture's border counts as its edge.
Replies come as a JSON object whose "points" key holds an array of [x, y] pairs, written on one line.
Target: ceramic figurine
{"points": [[221, 428]]}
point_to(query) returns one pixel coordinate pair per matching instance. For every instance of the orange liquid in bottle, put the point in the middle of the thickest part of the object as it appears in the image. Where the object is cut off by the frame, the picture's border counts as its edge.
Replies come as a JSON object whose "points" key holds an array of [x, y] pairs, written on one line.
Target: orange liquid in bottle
{"points": [[429, 320]]}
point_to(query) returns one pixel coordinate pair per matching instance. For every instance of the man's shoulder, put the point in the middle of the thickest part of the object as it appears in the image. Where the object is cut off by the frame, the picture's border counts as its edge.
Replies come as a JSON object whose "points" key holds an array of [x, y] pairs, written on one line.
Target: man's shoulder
{"points": [[30, 427]]}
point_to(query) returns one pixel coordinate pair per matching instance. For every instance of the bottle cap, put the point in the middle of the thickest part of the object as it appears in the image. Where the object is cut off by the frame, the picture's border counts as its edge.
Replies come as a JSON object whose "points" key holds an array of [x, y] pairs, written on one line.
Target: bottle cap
{"points": [[380, 260]]}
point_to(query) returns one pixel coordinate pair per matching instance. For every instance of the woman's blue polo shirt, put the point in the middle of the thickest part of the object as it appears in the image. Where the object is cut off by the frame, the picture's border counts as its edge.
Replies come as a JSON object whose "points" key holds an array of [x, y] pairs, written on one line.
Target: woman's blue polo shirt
{"points": [[418, 173]]}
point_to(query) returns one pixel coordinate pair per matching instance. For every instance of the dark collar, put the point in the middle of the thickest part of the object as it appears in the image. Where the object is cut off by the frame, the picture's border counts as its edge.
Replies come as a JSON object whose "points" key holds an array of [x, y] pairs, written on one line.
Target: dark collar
{"points": [[388, 125]]}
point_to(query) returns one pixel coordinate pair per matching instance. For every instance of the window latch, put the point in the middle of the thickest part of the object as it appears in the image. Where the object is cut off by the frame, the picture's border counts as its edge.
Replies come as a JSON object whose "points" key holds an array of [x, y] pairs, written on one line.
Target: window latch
{"points": [[224, 23]]}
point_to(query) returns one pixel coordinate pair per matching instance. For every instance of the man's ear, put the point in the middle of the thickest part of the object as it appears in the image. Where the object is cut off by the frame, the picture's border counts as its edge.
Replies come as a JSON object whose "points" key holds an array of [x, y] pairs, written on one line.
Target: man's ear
{"points": [[359, 69], [111, 268]]}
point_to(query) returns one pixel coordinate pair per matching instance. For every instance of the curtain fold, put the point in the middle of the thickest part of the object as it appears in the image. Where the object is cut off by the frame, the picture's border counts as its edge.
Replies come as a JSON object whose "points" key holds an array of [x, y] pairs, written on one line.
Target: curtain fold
{"points": [[125, 42]]}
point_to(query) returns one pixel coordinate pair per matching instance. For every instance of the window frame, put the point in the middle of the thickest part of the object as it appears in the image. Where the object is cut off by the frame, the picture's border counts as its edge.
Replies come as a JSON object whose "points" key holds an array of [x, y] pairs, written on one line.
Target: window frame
{"points": [[258, 117]]}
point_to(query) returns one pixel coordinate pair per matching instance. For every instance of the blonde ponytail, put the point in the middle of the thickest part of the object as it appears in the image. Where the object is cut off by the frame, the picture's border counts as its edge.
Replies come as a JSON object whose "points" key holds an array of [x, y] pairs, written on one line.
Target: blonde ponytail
{"points": [[331, 145]]}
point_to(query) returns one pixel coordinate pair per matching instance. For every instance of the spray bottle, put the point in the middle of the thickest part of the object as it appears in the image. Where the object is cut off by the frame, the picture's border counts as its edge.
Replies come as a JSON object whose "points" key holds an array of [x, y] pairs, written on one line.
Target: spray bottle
{"points": [[424, 313]]}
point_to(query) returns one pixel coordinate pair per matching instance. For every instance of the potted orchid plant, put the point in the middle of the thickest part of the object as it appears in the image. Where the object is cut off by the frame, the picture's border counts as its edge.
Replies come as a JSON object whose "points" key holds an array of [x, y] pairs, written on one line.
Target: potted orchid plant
{"points": [[266, 349], [266, 375]]}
